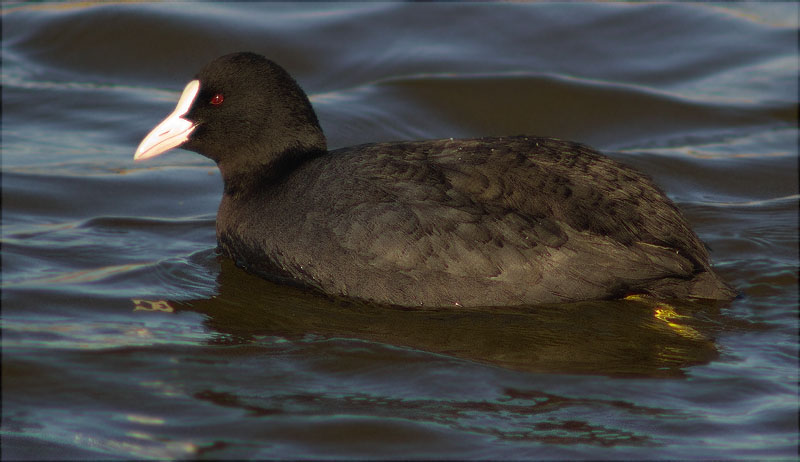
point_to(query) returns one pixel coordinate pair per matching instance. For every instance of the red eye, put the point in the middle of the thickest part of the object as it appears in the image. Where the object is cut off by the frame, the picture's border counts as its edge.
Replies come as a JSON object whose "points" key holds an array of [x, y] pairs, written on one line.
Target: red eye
{"points": [[217, 99]]}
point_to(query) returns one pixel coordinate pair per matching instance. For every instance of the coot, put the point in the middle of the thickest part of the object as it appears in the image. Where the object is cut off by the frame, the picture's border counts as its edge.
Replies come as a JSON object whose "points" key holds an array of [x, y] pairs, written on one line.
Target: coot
{"points": [[465, 222]]}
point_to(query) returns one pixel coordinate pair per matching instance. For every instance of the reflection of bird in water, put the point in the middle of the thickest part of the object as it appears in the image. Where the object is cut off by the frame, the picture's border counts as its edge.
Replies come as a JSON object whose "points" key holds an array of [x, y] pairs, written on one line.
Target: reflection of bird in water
{"points": [[612, 337]]}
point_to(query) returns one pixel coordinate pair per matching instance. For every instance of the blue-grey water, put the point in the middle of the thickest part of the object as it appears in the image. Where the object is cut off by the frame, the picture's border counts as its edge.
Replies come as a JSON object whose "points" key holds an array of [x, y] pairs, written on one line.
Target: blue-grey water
{"points": [[125, 336]]}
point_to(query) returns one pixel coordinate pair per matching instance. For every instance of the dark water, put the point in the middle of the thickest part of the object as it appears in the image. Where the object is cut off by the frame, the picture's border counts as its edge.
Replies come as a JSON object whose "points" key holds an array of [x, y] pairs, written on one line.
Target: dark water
{"points": [[125, 336]]}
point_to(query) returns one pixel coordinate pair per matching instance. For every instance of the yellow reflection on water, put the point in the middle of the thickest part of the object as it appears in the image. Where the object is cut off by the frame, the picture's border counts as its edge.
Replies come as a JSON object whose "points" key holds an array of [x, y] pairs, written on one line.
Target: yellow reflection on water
{"points": [[143, 419], [152, 305], [667, 314]]}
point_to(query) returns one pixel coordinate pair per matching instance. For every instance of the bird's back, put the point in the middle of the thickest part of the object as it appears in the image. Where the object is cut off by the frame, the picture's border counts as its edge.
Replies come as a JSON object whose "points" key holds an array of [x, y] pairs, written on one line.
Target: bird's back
{"points": [[489, 221]]}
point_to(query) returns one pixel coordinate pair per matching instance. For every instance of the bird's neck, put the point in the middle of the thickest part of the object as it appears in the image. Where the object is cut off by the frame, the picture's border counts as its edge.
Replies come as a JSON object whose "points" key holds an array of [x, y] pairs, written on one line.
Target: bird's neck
{"points": [[253, 173]]}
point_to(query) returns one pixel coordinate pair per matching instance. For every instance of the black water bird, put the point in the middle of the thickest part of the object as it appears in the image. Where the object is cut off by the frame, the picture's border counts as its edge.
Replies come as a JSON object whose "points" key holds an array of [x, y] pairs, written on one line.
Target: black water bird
{"points": [[465, 222]]}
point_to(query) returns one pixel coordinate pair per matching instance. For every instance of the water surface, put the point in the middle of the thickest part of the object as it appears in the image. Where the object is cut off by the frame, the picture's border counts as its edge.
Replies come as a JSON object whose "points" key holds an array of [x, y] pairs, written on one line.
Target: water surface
{"points": [[125, 336]]}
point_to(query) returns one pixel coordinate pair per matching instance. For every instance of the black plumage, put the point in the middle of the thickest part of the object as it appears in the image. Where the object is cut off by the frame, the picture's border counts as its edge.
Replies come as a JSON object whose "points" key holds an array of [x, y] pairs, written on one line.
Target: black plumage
{"points": [[484, 221]]}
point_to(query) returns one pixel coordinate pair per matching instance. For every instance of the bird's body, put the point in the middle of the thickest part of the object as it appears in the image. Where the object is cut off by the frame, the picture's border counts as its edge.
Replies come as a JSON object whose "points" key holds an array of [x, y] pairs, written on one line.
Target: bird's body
{"points": [[469, 222]]}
